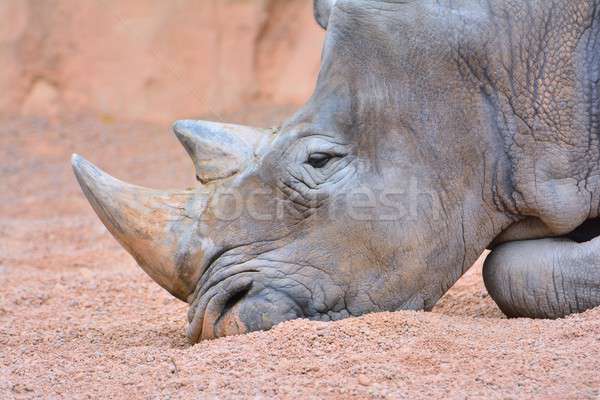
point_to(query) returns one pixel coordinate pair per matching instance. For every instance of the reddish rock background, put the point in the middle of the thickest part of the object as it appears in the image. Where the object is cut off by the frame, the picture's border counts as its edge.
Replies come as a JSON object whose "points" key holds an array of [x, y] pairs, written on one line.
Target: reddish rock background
{"points": [[155, 60]]}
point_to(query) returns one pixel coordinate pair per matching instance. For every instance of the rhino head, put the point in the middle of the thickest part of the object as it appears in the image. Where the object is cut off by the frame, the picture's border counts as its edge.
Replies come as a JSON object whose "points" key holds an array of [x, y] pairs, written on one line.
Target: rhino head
{"points": [[376, 195]]}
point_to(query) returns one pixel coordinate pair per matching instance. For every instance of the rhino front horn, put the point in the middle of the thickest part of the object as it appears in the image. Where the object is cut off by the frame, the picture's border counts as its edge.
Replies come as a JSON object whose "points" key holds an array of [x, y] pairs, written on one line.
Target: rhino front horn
{"points": [[158, 228], [218, 150]]}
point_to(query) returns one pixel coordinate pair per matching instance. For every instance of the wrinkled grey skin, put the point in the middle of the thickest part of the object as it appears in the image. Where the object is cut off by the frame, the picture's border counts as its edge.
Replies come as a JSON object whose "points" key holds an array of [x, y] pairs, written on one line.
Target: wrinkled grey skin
{"points": [[493, 107]]}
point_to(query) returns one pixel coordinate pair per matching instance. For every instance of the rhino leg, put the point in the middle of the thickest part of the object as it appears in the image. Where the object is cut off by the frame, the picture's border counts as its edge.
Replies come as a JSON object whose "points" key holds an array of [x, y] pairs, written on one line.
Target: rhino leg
{"points": [[546, 278]]}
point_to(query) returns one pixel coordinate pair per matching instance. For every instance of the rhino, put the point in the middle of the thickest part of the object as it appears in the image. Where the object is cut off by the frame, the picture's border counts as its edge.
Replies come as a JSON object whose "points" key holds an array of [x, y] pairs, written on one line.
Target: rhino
{"points": [[437, 129]]}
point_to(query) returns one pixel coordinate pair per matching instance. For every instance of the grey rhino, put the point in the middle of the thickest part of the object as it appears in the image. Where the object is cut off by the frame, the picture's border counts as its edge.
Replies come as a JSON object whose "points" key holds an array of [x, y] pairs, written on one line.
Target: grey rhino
{"points": [[437, 129]]}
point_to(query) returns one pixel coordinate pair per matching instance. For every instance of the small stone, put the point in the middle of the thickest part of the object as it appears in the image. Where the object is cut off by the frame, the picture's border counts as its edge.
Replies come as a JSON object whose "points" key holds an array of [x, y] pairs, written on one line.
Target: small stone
{"points": [[364, 380]]}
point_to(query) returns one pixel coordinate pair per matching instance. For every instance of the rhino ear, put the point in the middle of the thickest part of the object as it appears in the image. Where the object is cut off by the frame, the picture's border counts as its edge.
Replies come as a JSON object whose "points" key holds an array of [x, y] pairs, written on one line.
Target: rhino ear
{"points": [[322, 10]]}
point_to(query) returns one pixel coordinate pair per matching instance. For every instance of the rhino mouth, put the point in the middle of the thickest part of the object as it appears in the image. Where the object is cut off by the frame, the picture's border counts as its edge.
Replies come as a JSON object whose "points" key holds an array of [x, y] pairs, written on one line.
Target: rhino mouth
{"points": [[212, 301], [212, 313], [239, 303]]}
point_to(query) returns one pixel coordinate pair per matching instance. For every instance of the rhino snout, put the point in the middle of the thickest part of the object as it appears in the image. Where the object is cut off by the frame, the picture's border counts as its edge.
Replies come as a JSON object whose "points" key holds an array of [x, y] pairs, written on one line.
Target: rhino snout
{"points": [[240, 305]]}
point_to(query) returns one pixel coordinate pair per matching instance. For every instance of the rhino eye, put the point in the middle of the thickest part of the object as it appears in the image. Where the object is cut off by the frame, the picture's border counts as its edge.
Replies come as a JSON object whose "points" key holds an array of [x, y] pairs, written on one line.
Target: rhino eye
{"points": [[319, 160]]}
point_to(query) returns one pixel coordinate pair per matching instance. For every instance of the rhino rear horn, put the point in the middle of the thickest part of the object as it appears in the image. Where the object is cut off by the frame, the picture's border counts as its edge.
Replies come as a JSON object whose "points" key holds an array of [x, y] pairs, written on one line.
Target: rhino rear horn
{"points": [[322, 11], [158, 228], [218, 150]]}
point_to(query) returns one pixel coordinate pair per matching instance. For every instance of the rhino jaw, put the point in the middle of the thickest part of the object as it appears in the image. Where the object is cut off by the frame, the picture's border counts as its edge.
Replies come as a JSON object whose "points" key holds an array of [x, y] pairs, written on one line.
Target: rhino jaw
{"points": [[158, 228]]}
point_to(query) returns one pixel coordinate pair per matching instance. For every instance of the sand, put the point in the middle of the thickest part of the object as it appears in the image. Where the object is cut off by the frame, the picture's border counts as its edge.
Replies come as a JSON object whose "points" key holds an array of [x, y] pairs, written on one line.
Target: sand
{"points": [[78, 319]]}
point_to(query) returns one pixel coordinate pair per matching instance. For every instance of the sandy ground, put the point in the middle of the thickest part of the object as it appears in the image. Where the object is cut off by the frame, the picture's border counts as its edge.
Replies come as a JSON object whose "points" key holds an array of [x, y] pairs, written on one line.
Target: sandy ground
{"points": [[78, 319]]}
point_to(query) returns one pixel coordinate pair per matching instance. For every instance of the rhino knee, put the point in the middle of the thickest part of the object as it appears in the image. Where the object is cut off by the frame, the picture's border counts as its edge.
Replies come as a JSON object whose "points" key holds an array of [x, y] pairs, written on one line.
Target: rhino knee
{"points": [[547, 278]]}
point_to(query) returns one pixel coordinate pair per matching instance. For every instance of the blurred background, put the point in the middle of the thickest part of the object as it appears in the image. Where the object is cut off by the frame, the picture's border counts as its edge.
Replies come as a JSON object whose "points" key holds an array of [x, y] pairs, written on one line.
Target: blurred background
{"points": [[155, 60]]}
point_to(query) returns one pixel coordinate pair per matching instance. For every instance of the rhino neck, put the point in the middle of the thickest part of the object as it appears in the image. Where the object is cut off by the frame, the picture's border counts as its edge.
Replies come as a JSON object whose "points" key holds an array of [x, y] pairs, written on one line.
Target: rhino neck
{"points": [[540, 77]]}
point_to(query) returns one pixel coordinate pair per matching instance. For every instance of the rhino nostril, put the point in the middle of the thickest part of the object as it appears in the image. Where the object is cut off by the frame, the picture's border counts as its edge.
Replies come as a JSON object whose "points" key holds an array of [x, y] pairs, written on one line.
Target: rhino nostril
{"points": [[235, 297]]}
